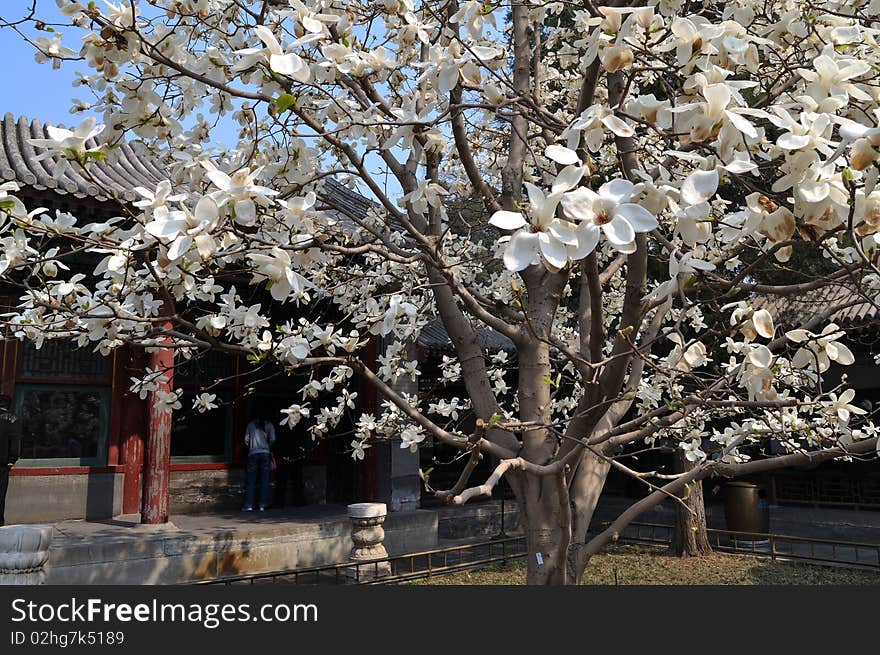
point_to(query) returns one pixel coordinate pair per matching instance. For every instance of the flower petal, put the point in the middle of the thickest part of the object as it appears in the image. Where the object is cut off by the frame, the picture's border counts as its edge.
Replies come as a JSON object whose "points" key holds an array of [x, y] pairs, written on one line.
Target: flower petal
{"points": [[618, 126], [553, 250], [179, 247], [567, 179], [742, 124], [578, 204], [505, 220], [618, 190], [789, 141], [763, 323], [844, 355], [587, 240], [619, 231], [699, 186], [266, 36], [761, 357], [798, 336], [291, 65], [637, 216], [521, 252], [562, 155]]}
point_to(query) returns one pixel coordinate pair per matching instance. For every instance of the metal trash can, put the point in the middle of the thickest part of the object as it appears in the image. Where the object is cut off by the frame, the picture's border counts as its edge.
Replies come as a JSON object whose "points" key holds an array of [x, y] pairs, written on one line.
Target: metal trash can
{"points": [[746, 509]]}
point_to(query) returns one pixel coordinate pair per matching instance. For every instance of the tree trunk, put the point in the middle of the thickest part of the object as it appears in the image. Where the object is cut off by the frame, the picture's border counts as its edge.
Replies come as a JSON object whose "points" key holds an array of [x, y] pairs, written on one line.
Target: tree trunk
{"points": [[547, 532], [689, 537]]}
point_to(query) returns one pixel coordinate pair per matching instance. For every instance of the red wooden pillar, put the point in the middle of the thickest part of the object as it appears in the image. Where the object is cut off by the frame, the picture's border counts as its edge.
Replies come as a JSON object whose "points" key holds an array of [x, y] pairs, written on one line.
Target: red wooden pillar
{"points": [[133, 430], [157, 473]]}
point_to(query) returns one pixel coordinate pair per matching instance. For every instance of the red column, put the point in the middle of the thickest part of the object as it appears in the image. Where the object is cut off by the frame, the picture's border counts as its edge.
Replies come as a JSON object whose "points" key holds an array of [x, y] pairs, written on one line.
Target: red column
{"points": [[133, 430], [157, 473]]}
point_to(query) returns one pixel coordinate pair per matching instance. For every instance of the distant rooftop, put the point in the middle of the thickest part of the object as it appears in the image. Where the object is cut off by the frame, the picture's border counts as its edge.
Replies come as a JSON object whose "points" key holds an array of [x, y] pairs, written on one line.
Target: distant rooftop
{"points": [[857, 307], [125, 169]]}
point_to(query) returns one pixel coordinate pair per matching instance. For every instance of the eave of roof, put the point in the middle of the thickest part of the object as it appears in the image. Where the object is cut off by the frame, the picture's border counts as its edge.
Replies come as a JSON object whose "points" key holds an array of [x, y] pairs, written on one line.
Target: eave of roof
{"points": [[434, 338], [114, 177], [857, 307]]}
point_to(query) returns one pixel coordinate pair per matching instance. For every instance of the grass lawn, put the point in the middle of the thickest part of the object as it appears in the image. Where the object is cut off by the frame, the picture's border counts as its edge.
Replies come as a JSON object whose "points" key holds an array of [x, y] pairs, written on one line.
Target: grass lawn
{"points": [[646, 565]]}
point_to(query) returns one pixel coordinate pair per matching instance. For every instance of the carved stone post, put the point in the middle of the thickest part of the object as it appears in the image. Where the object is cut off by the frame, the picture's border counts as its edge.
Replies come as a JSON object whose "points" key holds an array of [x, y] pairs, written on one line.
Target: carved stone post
{"points": [[24, 550], [367, 535]]}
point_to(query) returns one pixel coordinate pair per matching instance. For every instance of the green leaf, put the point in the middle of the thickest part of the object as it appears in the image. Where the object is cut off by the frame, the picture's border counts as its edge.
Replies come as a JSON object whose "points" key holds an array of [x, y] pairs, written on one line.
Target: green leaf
{"points": [[6, 204], [494, 418], [284, 102], [96, 155]]}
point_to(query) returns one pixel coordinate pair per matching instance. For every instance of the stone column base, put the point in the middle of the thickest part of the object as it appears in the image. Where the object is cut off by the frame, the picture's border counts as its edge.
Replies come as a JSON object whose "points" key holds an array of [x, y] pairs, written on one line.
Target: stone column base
{"points": [[24, 550], [367, 535]]}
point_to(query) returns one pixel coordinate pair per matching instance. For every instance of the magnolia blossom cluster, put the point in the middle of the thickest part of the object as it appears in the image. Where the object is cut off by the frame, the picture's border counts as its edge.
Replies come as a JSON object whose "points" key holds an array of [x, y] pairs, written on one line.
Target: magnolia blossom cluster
{"points": [[719, 139]]}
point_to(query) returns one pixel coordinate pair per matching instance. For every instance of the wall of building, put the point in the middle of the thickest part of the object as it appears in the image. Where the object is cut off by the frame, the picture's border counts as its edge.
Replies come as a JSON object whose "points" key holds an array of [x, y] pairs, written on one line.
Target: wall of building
{"points": [[206, 490], [49, 498]]}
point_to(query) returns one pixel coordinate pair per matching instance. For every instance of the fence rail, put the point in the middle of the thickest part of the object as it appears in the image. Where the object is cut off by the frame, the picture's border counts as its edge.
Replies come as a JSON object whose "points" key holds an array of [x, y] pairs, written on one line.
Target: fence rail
{"points": [[440, 561], [409, 566], [774, 546]]}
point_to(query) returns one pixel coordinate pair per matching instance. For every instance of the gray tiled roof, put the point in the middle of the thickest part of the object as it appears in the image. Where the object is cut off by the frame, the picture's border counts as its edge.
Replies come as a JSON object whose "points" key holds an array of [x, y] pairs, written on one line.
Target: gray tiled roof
{"points": [[858, 307], [121, 172], [434, 337], [125, 168]]}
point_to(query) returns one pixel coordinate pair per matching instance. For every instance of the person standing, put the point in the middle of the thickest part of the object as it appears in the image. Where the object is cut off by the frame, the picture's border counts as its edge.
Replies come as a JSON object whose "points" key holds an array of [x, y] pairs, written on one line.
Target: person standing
{"points": [[10, 448], [258, 437]]}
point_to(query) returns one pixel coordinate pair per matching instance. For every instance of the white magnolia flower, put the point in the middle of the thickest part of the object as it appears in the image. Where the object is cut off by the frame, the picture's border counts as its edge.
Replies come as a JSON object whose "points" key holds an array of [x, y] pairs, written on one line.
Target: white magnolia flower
{"points": [[545, 235], [820, 349], [276, 268], [829, 76], [158, 198], [692, 450], [591, 126], [756, 373], [205, 401], [839, 408], [686, 359], [398, 309], [411, 437], [289, 64], [167, 401], [687, 264], [70, 144], [610, 210], [358, 448], [293, 415], [749, 322], [241, 189]]}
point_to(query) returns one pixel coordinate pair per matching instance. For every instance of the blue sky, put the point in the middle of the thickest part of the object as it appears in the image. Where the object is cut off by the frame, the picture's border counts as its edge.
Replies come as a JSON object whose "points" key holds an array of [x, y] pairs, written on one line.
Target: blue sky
{"points": [[31, 89]]}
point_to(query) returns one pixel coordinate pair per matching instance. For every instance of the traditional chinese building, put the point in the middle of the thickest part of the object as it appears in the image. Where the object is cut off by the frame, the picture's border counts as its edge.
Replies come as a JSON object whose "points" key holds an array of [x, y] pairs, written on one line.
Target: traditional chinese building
{"points": [[853, 484], [90, 443]]}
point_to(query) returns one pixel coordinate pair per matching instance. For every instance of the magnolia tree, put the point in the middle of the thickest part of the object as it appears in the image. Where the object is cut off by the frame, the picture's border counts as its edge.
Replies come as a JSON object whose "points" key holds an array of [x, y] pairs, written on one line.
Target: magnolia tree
{"points": [[705, 140]]}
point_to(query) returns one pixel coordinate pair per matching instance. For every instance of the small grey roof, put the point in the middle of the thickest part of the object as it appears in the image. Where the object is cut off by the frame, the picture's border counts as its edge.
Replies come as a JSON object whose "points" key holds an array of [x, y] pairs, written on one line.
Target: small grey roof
{"points": [[344, 199], [118, 174], [434, 337], [858, 307], [124, 169]]}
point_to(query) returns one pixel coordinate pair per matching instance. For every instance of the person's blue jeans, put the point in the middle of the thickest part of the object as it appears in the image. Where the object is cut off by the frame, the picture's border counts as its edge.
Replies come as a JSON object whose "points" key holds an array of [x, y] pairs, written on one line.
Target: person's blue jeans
{"points": [[258, 462]]}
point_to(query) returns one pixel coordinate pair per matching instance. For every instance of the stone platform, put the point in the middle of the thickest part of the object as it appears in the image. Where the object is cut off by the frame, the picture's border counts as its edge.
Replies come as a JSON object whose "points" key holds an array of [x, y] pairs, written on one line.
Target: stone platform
{"points": [[207, 546]]}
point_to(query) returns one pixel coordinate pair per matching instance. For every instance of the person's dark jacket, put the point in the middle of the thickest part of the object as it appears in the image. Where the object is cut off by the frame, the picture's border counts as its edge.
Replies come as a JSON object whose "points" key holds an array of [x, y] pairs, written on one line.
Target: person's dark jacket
{"points": [[10, 438]]}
